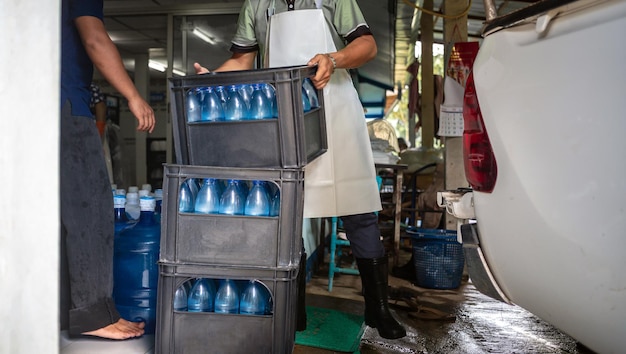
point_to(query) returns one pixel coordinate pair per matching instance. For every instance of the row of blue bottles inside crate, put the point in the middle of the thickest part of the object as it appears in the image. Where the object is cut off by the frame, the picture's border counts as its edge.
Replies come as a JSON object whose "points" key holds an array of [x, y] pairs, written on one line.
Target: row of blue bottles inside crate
{"points": [[241, 102], [231, 197], [249, 297]]}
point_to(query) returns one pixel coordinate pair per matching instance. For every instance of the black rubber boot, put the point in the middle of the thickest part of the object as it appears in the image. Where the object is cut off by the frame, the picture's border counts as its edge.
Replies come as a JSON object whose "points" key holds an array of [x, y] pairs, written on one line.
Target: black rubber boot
{"points": [[374, 274], [301, 306]]}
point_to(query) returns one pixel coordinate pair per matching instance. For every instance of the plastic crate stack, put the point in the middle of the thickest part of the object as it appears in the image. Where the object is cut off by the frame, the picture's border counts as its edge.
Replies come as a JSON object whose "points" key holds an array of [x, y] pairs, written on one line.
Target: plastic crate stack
{"points": [[266, 249]]}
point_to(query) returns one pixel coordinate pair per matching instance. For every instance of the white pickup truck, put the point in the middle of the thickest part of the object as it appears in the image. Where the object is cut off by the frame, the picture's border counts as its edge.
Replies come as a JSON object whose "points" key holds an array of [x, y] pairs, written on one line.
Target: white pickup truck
{"points": [[545, 156]]}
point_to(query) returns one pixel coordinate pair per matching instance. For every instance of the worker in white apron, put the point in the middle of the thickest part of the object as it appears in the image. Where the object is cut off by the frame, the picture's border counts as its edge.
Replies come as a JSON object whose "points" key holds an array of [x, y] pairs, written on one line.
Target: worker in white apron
{"points": [[341, 182]]}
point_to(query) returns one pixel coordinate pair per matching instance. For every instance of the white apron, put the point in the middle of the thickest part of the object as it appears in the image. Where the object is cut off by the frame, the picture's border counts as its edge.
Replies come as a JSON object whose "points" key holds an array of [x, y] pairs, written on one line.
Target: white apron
{"points": [[343, 180]]}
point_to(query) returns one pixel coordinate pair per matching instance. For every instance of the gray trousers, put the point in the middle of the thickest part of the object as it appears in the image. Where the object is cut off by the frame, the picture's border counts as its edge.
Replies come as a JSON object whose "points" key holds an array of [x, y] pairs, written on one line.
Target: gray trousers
{"points": [[87, 228], [364, 235]]}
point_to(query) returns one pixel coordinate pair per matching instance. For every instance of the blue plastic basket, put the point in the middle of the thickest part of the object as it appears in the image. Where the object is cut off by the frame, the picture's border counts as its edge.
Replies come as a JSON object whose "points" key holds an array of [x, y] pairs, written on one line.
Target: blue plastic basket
{"points": [[438, 258]]}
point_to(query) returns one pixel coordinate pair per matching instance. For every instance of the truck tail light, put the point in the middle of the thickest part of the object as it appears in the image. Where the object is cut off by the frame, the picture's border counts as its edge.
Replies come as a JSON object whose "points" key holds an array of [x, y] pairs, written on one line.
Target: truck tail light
{"points": [[481, 170]]}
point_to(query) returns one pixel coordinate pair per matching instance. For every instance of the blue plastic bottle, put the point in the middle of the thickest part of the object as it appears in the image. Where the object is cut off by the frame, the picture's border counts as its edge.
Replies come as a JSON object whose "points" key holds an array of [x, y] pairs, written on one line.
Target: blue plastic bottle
{"points": [[270, 305], [208, 198], [194, 185], [254, 299], [243, 188], [270, 92], [180, 298], [186, 197], [260, 105], [194, 107], [245, 90], [258, 200], [236, 108], [222, 94], [135, 268], [306, 104], [227, 297], [122, 221], [158, 196], [212, 108], [201, 296], [188, 285], [132, 205], [221, 185], [311, 93], [275, 206], [231, 201]]}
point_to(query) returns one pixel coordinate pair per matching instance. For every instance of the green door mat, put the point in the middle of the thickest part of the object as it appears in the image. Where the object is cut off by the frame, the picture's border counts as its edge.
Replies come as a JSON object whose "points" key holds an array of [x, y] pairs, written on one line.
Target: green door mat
{"points": [[331, 330]]}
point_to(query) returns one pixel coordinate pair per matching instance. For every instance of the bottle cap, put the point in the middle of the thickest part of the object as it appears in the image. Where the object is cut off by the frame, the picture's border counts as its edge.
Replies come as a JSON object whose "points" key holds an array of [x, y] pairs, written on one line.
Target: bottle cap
{"points": [[147, 187], [147, 203], [119, 201], [143, 193], [133, 189], [132, 197], [120, 191], [158, 193]]}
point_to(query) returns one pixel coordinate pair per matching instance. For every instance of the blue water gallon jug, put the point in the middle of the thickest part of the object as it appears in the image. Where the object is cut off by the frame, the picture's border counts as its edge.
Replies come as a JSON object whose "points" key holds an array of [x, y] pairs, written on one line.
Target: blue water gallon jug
{"points": [[193, 106], [254, 299], [208, 198], [258, 200], [135, 268], [227, 297], [201, 297]]}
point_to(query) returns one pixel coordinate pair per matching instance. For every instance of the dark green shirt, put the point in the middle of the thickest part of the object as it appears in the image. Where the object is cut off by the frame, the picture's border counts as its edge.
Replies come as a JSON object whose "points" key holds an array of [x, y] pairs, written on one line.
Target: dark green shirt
{"points": [[344, 16]]}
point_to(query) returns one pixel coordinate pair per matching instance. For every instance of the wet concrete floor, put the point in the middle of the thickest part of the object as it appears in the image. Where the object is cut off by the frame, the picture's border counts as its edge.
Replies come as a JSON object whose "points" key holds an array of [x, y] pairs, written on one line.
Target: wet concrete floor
{"points": [[461, 321]]}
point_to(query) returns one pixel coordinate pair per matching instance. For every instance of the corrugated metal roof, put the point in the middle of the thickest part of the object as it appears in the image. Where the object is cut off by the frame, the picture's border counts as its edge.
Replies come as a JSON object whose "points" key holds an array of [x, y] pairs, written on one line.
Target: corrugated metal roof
{"points": [[140, 27]]}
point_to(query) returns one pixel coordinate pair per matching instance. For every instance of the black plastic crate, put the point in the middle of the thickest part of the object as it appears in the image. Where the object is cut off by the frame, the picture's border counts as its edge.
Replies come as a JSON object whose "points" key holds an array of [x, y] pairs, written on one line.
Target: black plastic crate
{"points": [[292, 140], [233, 240], [208, 332]]}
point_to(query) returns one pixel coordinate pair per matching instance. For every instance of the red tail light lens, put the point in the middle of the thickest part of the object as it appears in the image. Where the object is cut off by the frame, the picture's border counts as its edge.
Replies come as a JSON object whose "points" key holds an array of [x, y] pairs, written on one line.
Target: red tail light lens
{"points": [[481, 170]]}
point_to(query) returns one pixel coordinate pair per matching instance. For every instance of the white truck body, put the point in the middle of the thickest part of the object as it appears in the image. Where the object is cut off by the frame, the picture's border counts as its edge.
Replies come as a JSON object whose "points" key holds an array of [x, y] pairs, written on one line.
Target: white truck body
{"points": [[551, 234]]}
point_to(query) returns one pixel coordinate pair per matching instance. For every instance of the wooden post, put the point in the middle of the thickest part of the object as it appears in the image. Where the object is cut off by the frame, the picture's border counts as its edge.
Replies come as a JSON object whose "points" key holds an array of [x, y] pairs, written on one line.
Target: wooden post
{"points": [[428, 81]]}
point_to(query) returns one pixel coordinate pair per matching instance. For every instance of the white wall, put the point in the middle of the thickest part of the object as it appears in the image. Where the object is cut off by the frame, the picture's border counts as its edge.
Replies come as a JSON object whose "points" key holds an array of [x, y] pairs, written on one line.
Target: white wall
{"points": [[29, 212]]}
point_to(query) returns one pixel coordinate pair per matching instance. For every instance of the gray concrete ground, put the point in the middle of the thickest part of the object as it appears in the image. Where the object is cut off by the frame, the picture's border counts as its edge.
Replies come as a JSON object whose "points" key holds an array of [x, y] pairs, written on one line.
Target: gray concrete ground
{"points": [[461, 321]]}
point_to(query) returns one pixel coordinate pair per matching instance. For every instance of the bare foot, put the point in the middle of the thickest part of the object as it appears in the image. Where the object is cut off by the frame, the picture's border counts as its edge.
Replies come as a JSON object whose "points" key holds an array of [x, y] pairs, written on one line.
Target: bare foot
{"points": [[121, 329]]}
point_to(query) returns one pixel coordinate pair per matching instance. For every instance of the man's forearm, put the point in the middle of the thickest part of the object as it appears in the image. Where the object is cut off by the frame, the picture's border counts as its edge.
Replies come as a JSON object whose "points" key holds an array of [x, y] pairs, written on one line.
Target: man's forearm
{"points": [[356, 53]]}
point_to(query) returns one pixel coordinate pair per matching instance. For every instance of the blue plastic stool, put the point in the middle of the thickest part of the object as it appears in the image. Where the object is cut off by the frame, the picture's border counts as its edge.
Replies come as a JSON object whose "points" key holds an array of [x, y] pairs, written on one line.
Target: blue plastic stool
{"points": [[336, 244]]}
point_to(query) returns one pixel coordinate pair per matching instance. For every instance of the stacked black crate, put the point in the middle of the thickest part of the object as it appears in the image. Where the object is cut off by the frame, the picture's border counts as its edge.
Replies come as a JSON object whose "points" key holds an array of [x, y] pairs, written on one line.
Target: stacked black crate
{"points": [[239, 247]]}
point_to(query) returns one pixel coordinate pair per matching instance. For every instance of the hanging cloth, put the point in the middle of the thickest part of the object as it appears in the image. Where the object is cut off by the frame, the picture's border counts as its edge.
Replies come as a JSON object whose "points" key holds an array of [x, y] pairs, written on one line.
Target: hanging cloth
{"points": [[343, 180]]}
